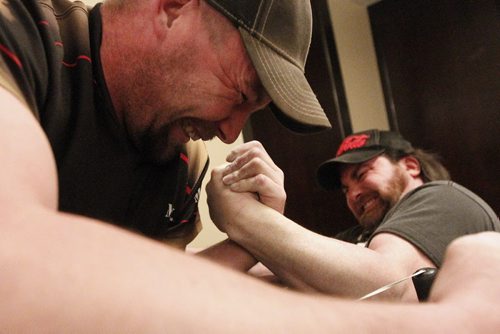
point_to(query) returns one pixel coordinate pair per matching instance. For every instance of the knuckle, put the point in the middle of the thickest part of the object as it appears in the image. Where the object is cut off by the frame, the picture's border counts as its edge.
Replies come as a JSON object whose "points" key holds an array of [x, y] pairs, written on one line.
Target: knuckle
{"points": [[258, 145], [260, 179], [255, 163], [239, 174], [254, 143], [253, 152]]}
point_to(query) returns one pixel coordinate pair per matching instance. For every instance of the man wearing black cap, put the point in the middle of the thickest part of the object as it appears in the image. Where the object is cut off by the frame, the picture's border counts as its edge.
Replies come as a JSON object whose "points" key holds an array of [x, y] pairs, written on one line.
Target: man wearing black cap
{"points": [[361, 147], [407, 217]]}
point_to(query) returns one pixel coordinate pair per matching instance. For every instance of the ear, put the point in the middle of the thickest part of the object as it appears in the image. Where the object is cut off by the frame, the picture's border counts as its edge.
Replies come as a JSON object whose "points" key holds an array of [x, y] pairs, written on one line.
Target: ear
{"points": [[168, 11], [411, 165]]}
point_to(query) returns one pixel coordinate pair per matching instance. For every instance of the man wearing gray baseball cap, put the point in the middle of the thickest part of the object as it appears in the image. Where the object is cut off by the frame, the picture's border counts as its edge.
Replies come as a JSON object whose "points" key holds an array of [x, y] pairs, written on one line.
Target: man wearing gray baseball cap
{"points": [[104, 109], [277, 35], [127, 89]]}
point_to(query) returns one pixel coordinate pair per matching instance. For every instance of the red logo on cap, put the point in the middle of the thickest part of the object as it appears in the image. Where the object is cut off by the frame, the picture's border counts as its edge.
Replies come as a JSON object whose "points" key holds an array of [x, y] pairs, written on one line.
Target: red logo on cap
{"points": [[351, 143]]}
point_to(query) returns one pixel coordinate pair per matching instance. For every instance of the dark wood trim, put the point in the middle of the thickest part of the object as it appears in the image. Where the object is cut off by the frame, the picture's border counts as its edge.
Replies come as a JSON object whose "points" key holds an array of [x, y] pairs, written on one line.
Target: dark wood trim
{"points": [[324, 33]]}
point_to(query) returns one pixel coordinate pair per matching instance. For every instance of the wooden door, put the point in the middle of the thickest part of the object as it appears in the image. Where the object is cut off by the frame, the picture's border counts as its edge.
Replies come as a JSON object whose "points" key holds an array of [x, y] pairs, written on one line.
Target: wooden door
{"points": [[440, 64]]}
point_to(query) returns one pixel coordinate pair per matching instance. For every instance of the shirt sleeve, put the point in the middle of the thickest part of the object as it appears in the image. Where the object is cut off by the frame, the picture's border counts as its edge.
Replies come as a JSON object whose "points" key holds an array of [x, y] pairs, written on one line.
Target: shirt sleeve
{"points": [[434, 215]]}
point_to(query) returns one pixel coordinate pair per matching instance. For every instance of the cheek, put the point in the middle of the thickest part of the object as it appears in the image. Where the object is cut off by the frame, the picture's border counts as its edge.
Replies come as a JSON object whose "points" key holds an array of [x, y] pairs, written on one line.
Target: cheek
{"points": [[373, 182], [349, 204], [216, 111]]}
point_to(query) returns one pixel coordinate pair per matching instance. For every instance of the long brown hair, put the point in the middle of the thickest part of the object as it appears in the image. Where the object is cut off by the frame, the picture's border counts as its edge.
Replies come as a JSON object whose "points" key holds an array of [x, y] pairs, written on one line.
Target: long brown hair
{"points": [[430, 164]]}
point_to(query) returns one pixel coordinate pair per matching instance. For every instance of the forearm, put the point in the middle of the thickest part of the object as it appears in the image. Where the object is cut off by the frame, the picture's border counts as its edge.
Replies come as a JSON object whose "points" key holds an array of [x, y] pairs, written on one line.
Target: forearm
{"points": [[308, 260], [62, 273], [230, 254]]}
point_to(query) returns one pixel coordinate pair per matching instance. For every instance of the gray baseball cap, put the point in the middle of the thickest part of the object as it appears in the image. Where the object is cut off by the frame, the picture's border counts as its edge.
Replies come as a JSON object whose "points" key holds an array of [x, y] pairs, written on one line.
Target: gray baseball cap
{"points": [[277, 36]]}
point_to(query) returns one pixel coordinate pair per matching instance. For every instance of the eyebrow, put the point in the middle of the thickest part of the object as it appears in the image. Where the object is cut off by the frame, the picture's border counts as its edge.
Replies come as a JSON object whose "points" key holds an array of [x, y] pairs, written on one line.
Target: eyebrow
{"points": [[350, 175]]}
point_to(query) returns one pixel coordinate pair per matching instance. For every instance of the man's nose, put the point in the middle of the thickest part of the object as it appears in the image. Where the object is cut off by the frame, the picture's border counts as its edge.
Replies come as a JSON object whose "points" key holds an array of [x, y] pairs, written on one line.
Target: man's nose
{"points": [[230, 127], [353, 194]]}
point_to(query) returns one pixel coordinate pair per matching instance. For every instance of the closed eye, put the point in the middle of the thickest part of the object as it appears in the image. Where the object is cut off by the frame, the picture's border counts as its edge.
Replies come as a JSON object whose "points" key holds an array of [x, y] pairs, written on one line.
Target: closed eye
{"points": [[361, 173], [244, 97]]}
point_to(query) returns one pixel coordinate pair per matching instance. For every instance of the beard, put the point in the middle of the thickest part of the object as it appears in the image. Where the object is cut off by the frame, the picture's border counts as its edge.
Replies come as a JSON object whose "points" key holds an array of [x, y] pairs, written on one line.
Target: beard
{"points": [[157, 146], [385, 200]]}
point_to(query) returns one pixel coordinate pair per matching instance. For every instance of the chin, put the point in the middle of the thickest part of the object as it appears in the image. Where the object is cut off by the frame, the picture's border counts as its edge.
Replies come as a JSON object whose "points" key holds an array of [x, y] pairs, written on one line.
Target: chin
{"points": [[161, 152], [371, 221], [165, 154]]}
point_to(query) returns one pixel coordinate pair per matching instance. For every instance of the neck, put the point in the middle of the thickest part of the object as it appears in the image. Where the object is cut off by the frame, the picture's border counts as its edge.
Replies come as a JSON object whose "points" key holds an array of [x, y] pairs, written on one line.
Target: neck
{"points": [[413, 183]]}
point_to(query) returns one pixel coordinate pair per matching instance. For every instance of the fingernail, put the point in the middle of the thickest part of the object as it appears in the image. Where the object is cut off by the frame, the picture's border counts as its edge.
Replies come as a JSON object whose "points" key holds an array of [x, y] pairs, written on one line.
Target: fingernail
{"points": [[227, 169], [227, 179], [230, 157]]}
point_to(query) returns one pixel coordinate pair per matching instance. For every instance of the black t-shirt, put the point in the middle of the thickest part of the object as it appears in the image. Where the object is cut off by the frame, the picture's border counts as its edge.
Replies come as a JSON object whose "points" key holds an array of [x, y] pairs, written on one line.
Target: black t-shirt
{"points": [[50, 61]]}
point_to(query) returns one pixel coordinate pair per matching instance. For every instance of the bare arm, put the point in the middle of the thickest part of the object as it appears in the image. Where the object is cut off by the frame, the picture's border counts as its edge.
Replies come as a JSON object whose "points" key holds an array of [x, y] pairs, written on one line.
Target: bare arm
{"points": [[64, 273], [250, 164], [305, 259], [230, 254]]}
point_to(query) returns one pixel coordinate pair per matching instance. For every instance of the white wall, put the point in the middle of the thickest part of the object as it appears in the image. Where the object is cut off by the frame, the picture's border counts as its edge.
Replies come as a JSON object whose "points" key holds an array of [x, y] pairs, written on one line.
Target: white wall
{"points": [[358, 63], [210, 235]]}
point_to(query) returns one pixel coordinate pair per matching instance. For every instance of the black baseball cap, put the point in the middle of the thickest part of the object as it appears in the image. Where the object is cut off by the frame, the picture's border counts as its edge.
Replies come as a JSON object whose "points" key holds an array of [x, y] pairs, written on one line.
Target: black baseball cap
{"points": [[357, 148], [277, 35]]}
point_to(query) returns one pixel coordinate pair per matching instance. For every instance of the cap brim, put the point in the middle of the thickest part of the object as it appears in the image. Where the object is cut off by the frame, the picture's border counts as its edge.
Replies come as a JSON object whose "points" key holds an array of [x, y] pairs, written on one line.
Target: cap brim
{"points": [[328, 173], [287, 86]]}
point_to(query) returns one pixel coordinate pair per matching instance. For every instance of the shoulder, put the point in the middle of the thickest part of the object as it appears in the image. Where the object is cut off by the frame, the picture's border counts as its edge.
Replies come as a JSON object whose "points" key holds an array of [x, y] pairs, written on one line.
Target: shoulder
{"points": [[447, 192], [440, 194]]}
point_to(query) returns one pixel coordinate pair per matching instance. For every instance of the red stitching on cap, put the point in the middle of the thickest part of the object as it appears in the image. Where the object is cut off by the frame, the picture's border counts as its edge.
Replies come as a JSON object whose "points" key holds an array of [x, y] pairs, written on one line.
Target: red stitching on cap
{"points": [[351, 143], [188, 190]]}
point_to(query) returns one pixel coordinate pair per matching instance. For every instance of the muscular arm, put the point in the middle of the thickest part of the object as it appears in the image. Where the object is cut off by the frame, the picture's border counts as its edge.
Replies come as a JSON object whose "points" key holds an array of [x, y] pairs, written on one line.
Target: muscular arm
{"points": [[64, 273], [310, 261], [230, 254]]}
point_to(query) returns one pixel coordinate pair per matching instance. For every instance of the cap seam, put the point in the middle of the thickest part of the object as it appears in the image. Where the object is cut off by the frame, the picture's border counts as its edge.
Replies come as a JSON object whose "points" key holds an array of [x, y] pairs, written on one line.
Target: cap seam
{"points": [[264, 19], [282, 91], [279, 50], [259, 36]]}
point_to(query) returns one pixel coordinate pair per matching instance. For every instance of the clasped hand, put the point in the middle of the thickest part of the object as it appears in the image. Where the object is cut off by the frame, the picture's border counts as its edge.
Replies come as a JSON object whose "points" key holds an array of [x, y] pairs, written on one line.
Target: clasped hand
{"points": [[250, 179]]}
